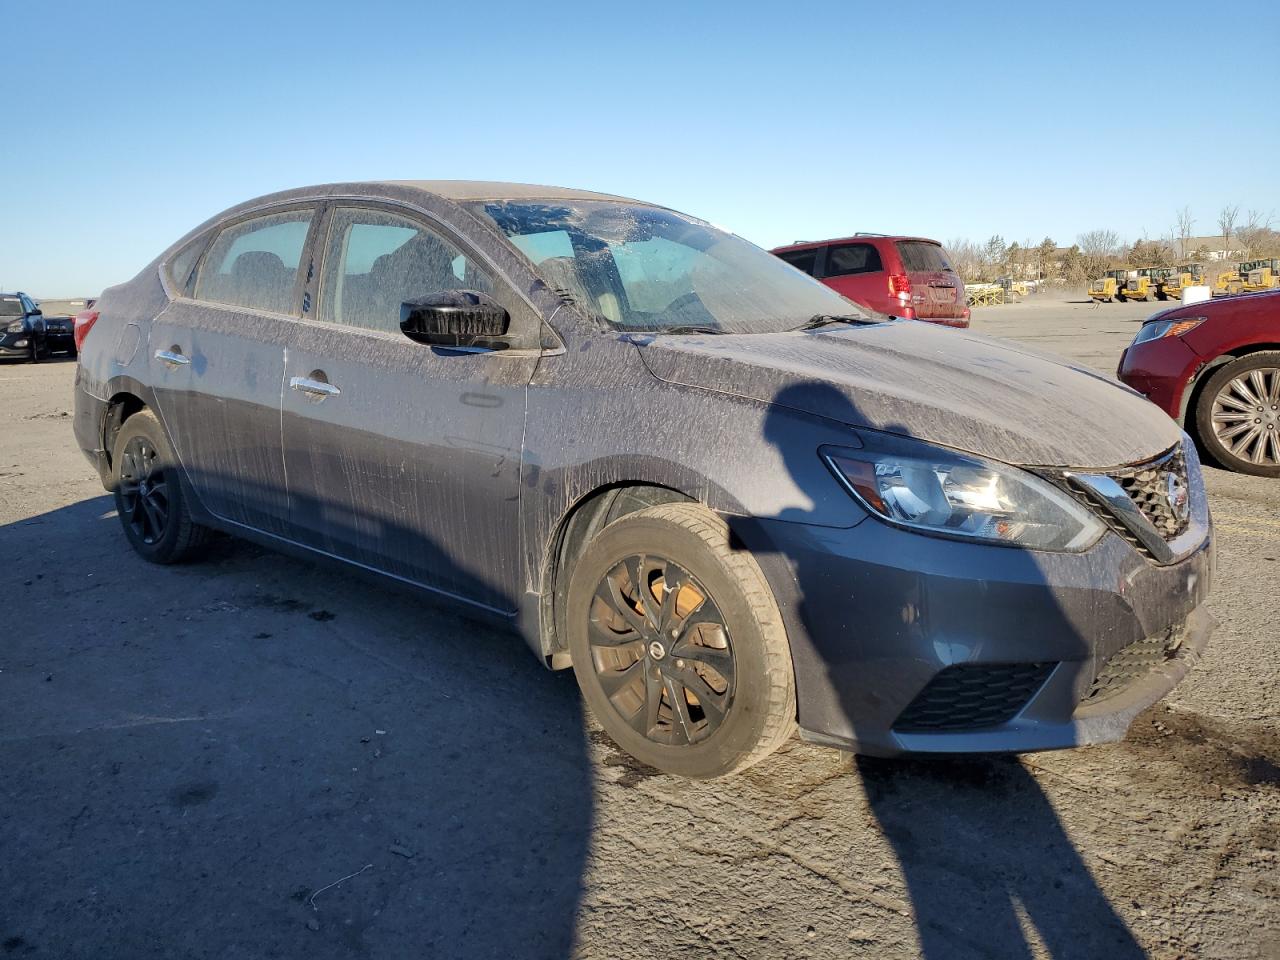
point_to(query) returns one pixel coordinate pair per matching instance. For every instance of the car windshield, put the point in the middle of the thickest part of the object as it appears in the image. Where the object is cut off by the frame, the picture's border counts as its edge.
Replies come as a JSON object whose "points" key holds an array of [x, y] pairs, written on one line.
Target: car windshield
{"points": [[647, 269], [11, 307]]}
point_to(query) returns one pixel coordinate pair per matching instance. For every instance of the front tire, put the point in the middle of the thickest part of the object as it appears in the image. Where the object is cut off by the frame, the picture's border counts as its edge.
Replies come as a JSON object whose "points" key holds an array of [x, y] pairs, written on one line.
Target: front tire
{"points": [[150, 499], [678, 645], [1238, 415]]}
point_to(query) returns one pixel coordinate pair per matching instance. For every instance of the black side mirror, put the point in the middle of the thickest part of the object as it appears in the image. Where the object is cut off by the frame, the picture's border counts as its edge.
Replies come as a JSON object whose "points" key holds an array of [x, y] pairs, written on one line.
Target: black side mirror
{"points": [[456, 318]]}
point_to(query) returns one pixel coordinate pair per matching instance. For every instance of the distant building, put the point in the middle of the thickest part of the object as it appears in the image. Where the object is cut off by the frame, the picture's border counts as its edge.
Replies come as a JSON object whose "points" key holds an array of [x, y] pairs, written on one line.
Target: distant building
{"points": [[1211, 247]]}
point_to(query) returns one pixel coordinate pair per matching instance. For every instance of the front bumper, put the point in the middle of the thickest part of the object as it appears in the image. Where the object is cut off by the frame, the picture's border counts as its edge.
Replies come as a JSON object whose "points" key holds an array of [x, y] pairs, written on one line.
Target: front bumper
{"points": [[875, 616], [1161, 370], [9, 344]]}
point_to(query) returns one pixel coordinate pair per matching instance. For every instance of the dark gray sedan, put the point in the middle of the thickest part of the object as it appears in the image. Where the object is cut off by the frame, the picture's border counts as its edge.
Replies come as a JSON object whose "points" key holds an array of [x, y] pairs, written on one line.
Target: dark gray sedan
{"points": [[732, 501]]}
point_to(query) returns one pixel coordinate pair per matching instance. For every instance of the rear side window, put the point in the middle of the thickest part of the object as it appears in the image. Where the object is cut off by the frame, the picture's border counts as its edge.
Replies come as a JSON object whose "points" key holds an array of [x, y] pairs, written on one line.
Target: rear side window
{"points": [[920, 257], [851, 258], [255, 263], [806, 260], [375, 261]]}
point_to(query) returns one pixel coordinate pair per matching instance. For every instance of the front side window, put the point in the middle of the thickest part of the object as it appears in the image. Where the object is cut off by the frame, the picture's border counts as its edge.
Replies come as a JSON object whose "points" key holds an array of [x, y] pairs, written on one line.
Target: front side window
{"points": [[646, 268], [852, 258], [255, 263], [375, 261]]}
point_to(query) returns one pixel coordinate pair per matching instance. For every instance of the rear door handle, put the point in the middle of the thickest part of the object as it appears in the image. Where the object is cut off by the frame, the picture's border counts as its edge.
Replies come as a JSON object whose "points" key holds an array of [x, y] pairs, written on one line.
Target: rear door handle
{"points": [[173, 357], [313, 388]]}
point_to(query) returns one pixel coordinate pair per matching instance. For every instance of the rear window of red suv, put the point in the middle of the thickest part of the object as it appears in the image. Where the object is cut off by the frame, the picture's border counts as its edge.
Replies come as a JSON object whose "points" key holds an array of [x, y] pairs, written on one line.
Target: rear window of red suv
{"points": [[919, 256]]}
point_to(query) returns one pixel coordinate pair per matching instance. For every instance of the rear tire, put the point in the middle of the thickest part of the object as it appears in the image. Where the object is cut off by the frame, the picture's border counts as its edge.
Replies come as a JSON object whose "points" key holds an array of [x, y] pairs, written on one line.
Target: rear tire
{"points": [[723, 643], [150, 499], [1234, 429]]}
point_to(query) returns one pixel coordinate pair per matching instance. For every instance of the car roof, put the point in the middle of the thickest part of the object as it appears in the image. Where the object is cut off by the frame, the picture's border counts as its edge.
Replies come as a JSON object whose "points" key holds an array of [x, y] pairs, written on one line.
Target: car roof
{"points": [[856, 238], [462, 190]]}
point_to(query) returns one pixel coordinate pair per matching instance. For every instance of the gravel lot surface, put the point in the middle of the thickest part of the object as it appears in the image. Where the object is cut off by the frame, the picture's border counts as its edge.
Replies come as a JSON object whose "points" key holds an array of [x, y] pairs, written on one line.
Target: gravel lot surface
{"points": [[257, 757]]}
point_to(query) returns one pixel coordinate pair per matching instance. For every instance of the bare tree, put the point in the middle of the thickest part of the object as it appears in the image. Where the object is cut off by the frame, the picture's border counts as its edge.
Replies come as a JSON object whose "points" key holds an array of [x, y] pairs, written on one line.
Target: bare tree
{"points": [[1150, 253], [1185, 225], [1098, 249], [966, 258], [1227, 224], [1256, 237]]}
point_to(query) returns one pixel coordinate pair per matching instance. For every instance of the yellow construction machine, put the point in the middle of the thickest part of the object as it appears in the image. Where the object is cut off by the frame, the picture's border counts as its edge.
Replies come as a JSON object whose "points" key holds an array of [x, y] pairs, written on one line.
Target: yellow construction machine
{"points": [[1141, 287], [1179, 278], [1108, 287], [1256, 275], [1227, 281]]}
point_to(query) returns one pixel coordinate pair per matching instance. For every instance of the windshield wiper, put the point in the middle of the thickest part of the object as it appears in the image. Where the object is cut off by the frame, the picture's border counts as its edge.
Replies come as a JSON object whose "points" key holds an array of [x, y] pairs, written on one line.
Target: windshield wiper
{"points": [[825, 319], [689, 328]]}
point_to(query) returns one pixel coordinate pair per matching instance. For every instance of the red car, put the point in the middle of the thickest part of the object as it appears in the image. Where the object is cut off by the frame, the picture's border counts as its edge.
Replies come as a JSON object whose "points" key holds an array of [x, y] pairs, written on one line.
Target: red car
{"points": [[901, 276], [1215, 368]]}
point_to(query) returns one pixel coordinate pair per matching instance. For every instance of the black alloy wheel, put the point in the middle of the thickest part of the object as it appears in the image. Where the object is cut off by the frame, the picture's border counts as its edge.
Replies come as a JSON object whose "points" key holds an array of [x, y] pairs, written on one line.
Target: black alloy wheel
{"points": [[144, 491], [150, 495], [661, 651], [678, 643]]}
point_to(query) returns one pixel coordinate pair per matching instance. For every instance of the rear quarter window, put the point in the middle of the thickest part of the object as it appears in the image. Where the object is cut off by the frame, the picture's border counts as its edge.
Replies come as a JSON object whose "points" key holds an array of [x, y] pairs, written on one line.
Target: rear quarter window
{"points": [[921, 257], [183, 263]]}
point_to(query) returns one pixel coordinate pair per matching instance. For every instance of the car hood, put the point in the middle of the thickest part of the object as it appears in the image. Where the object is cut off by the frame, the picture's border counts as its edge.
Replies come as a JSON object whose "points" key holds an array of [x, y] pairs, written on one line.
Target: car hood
{"points": [[955, 388]]}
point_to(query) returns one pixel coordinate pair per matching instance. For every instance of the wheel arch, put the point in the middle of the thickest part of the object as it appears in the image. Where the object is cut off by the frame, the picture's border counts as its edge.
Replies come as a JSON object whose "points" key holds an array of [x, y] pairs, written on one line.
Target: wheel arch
{"points": [[589, 514], [125, 397], [1191, 396]]}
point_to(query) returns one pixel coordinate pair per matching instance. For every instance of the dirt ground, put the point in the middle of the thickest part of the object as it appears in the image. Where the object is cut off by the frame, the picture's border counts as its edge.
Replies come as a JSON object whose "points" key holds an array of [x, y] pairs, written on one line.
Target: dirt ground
{"points": [[257, 757]]}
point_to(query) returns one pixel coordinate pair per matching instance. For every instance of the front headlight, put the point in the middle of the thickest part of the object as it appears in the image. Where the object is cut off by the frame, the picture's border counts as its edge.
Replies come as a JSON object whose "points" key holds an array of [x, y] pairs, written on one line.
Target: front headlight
{"points": [[926, 488], [1156, 329], [16, 326]]}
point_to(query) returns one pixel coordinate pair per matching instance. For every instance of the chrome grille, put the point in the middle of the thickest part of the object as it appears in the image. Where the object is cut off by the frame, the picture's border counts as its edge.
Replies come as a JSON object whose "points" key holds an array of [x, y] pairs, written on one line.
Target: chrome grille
{"points": [[1148, 487], [1148, 504]]}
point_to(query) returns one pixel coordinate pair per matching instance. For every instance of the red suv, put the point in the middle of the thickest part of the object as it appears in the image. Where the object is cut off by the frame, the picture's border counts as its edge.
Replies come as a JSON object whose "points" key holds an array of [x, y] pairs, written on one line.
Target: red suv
{"points": [[1215, 368], [902, 276]]}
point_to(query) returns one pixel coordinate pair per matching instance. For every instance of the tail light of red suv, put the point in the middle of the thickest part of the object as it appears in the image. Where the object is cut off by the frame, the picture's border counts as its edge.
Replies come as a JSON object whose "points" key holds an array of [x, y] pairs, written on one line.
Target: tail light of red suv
{"points": [[900, 290]]}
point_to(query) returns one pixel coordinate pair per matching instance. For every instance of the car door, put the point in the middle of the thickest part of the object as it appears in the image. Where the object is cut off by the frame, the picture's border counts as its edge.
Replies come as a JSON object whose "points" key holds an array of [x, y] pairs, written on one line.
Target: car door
{"points": [[216, 364], [404, 457], [35, 320], [855, 270]]}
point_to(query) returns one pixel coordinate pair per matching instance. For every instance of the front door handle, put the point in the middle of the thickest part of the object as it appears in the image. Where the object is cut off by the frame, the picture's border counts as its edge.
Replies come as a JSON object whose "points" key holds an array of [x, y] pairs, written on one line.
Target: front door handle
{"points": [[313, 388], [173, 357]]}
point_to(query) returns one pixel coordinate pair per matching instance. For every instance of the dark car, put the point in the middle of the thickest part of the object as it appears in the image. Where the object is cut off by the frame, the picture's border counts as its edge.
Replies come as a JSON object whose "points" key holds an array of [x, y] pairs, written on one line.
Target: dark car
{"points": [[898, 276], [22, 328], [1215, 367], [727, 498], [59, 322]]}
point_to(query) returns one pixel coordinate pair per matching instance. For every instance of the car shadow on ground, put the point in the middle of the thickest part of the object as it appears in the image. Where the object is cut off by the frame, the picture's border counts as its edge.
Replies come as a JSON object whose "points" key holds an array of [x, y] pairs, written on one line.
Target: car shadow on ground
{"points": [[988, 865], [258, 756]]}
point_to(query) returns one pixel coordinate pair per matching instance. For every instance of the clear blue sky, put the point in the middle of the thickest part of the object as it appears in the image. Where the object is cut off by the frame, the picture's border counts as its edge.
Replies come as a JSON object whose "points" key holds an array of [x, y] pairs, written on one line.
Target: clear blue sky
{"points": [[126, 124]]}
